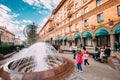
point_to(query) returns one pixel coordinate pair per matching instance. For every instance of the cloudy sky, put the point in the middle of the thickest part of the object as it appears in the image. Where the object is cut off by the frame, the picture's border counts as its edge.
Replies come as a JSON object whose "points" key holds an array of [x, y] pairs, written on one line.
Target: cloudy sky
{"points": [[16, 14]]}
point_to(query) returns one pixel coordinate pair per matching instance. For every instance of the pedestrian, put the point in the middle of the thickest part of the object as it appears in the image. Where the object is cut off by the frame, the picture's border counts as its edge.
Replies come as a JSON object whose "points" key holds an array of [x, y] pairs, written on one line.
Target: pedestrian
{"points": [[102, 50], [74, 51], [96, 53], [83, 51], [79, 61], [85, 57], [81, 46], [107, 52]]}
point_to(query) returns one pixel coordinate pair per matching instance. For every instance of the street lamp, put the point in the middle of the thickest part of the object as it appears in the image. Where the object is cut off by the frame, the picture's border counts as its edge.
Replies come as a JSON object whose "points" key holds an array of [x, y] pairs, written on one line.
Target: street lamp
{"points": [[1, 32]]}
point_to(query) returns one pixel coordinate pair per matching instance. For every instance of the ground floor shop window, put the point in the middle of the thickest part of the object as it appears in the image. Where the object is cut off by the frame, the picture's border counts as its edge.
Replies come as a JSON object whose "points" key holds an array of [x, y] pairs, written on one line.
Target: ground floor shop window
{"points": [[77, 41], [117, 38], [103, 40], [88, 42]]}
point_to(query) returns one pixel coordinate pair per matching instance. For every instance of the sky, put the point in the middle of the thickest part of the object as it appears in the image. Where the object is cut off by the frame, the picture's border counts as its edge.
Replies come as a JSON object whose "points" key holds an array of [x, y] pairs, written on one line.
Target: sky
{"points": [[16, 14]]}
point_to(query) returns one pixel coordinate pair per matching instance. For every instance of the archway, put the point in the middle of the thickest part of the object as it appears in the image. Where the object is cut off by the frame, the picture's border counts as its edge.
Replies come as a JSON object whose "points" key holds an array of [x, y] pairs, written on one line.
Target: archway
{"points": [[102, 37], [87, 36]]}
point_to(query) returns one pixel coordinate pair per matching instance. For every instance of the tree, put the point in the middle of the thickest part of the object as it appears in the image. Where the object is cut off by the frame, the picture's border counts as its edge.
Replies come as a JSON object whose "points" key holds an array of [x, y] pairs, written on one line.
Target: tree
{"points": [[31, 33]]}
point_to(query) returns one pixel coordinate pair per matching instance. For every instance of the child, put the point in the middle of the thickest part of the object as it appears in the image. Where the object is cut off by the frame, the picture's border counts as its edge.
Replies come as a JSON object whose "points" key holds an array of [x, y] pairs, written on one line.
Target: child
{"points": [[85, 56], [83, 51], [79, 61]]}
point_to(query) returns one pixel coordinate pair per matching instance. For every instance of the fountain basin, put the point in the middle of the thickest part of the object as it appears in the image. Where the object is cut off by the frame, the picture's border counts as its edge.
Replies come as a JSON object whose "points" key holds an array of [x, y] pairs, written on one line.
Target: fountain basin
{"points": [[51, 74]]}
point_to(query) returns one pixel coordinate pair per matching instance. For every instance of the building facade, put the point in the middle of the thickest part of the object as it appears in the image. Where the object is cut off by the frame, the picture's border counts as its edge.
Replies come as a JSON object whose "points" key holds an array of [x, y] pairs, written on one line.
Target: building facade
{"points": [[6, 37], [83, 22], [17, 41]]}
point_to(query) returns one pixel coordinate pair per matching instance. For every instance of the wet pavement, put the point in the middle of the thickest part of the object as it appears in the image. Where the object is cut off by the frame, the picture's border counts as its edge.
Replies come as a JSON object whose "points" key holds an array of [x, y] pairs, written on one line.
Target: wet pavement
{"points": [[97, 71]]}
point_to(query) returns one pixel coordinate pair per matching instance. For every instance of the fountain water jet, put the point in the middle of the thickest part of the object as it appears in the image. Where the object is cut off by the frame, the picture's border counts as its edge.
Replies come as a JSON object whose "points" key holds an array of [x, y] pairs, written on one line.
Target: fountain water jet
{"points": [[38, 62]]}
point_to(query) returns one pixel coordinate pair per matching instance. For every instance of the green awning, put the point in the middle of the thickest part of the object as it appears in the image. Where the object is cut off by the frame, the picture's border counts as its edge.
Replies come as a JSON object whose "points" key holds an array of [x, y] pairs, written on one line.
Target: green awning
{"points": [[87, 35], [102, 32], [65, 38], [117, 31], [77, 36]]}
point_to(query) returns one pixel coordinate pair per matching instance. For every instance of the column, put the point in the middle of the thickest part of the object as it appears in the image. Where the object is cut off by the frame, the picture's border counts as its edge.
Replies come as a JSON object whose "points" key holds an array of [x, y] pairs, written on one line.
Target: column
{"points": [[112, 41], [82, 41], [94, 42]]}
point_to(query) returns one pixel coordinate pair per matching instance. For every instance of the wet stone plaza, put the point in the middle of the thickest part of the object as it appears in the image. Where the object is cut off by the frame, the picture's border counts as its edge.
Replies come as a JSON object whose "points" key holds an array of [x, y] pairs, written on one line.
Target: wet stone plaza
{"points": [[77, 78]]}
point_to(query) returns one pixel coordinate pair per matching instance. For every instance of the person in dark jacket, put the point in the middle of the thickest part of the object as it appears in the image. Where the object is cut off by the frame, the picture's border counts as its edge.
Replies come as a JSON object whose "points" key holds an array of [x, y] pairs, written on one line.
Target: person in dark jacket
{"points": [[107, 52], [96, 53]]}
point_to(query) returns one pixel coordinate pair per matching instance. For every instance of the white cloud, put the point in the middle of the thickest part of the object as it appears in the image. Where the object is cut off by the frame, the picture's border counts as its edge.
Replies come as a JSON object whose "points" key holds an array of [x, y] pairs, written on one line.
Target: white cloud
{"points": [[15, 22], [26, 21], [33, 2], [43, 11], [49, 4], [6, 20], [5, 8]]}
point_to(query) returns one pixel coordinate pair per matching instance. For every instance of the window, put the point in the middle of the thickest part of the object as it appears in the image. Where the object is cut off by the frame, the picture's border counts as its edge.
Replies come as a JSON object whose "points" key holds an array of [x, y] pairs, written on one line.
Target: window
{"points": [[98, 2], [100, 17], [76, 26], [88, 41], [64, 7], [86, 22], [118, 9], [76, 15], [76, 5], [64, 14], [86, 10], [84, 1], [70, 29]]}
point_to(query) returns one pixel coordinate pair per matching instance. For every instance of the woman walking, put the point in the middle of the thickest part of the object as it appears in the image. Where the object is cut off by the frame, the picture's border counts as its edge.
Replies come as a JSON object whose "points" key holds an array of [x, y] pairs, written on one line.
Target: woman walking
{"points": [[79, 61]]}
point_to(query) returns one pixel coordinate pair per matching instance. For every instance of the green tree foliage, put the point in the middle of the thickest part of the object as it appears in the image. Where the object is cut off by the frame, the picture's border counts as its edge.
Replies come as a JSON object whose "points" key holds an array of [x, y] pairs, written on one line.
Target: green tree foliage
{"points": [[32, 33]]}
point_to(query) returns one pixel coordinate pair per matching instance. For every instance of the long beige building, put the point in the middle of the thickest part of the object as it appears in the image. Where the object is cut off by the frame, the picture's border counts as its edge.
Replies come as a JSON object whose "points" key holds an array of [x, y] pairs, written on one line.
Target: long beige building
{"points": [[83, 22], [6, 37]]}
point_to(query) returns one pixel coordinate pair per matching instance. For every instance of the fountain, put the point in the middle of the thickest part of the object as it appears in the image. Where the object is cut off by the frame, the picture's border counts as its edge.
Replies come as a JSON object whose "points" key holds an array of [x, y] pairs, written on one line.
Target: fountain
{"points": [[38, 62]]}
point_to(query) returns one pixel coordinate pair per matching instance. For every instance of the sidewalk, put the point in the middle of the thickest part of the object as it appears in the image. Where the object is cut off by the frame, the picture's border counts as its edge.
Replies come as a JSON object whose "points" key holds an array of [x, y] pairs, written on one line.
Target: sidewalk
{"points": [[97, 71]]}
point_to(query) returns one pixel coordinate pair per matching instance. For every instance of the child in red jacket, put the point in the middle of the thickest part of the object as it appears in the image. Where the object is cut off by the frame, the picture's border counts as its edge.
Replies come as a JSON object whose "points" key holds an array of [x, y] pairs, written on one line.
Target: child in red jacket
{"points": [[79, 61]]}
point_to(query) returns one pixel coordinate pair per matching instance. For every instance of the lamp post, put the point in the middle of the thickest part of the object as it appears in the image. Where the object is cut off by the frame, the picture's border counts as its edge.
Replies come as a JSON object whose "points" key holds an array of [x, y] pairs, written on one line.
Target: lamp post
{"points": [[1, 32]]}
